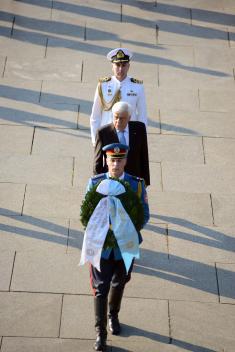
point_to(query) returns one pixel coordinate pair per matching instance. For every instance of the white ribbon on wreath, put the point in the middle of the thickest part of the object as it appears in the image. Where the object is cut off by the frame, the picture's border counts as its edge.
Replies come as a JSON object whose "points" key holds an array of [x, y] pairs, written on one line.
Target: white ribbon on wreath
{"points": [[108, 211]]}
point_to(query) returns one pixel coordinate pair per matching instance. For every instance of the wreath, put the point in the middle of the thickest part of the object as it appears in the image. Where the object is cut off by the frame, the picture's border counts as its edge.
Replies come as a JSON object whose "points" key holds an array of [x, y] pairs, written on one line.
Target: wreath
{"points": [[130, 201]]}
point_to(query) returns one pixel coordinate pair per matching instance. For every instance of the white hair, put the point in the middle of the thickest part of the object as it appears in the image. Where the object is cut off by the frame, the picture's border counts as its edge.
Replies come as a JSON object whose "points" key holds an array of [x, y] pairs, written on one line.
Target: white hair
{"points": [[122, 106]]}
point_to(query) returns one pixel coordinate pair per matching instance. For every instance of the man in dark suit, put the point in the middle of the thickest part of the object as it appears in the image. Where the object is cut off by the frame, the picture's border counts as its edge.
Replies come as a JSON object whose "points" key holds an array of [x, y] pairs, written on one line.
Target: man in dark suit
{"points": [[132, 133]]}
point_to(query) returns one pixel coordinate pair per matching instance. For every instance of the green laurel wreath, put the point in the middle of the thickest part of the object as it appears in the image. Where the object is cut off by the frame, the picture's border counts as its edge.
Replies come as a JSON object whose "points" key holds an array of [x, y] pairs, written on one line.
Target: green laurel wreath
{"points": [[130, 201]]}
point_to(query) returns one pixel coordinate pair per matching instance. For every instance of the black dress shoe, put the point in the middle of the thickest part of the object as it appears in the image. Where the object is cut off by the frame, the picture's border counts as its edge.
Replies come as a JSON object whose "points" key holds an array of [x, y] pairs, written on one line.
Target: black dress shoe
{"points": [[114, 325]]}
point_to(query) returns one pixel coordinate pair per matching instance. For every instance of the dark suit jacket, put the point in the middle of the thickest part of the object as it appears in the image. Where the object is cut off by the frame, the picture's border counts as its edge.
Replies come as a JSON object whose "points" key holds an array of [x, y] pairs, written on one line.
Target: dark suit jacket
{"points": [[137, 160]]}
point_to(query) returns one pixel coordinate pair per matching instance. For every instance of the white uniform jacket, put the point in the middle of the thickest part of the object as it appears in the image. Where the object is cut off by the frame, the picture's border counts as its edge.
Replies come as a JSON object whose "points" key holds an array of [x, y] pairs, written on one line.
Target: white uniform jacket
{"points": [[131, 91]]}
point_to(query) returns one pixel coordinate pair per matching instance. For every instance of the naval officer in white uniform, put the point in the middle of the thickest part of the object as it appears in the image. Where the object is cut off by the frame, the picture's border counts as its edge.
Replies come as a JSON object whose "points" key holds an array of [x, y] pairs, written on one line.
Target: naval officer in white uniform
{"points": [[116, 88]]}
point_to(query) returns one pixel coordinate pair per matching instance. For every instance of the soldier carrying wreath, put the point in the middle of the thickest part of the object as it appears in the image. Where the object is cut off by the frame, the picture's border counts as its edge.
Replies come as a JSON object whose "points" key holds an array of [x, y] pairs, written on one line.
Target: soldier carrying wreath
{"points": [[113, 212]]}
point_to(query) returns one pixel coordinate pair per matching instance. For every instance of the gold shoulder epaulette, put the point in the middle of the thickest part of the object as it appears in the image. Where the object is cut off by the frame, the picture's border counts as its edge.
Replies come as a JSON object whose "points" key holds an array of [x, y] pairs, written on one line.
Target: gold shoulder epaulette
{"points": [[134, 80], [105, 79], [137, 178], [95, 177]]}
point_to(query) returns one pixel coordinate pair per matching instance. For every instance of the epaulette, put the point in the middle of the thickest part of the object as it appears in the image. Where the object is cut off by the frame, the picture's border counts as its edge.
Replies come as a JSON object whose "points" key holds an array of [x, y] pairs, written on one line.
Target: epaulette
{"points": [[134, 80], [105, 79], [137, 178], [98, 176]]}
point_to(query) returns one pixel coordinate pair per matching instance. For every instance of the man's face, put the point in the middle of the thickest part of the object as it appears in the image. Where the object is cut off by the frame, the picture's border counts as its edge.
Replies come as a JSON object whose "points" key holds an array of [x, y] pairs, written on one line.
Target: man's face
{"points": [[120, 120], [120, 70], [116, 166]]}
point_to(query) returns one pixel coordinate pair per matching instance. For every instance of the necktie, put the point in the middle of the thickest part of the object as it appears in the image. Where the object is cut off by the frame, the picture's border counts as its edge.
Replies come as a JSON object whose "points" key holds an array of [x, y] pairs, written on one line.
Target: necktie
{"points": [[122, 138]]}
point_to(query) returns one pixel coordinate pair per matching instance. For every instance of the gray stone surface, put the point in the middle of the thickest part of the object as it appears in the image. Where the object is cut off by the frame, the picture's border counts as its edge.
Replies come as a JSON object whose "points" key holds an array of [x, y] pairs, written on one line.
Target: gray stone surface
{"points": [[147, 73], [229, 6], [175, 55], [185, 34], [35, 114], [189, 78], [175, 148], [177, 99], [200, 4], [214, 58], [15, 139], [6, 265], [161, 13], [77, 317], [6, 24], [66, 34], [47, 28], [26, 9], [23, 344], [155, 238], [71, 93], [154, 124], [64, 47], [226, 282], [219, 151], [153, 342], [24, 233], [11, 198], [84, 118], [196, 178], [88, 12], [181, 207], [174, 279], [78, 146], [232, 39], [2, 62], [28, 314], [211, 19], [156, 178], [103, 38], [136, 329], [200, 123], [19, 90], [220, 100], [22, 49], [83, 169], [66, 93], [152, 110], [201, 243], [223, 208], [51, 201], [44, 272], [75, 239], [51, 69], [61, 143], [103, 68], [36, 169], [211, 326], [76, 309]]}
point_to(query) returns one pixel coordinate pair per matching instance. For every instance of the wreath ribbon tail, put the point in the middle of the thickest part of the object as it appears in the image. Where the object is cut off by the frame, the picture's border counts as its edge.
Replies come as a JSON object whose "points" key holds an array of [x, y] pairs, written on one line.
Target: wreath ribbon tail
{"points": [[128, 258], [95, 234], [124, 232]]}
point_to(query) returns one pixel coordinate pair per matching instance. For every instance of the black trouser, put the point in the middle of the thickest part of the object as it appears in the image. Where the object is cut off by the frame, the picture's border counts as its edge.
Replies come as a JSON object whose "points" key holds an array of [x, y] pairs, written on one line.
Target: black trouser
{"points": [[112, 272]]}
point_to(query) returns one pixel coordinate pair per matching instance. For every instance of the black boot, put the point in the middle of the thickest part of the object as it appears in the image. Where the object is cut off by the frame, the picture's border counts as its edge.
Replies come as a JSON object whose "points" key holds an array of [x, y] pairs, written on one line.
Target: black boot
{"points": [[115, 298], [100, 323]]}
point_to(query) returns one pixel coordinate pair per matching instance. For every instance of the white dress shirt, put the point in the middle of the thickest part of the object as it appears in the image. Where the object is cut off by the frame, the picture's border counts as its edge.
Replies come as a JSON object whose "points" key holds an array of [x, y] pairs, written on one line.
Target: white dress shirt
{"points": [[126, 134]]}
